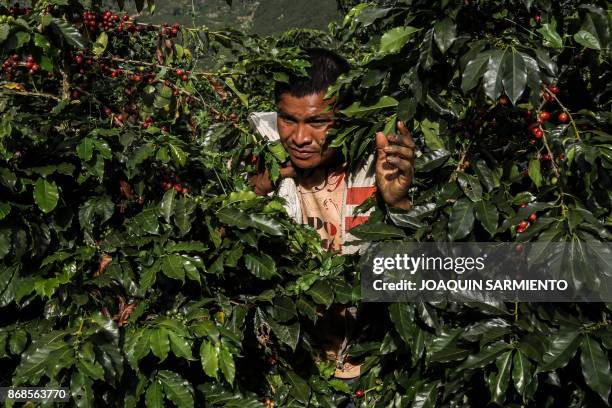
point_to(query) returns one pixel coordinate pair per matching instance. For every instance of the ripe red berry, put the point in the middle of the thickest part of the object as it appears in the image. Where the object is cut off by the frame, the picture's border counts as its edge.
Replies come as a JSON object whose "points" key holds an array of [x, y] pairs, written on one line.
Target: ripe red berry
{"points": [[519, 248], [546, 157], [537, 133], [78, 59], [537, 18], [563, 117], [75, 94], [137, 78], [554, 89], [107, 111], [359, 393], [174, 31], [185, 190], [544, 116], [532, 141], [503, 100], [175, 92], [523, 224], [184, 78], [523, 205], [180, 72], [178, 187], [532, 217], [528, 115]]}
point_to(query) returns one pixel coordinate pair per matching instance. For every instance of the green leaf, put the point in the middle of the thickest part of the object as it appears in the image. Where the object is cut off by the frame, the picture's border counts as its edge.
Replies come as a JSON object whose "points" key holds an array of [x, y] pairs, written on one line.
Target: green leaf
{"points": [[101, 43], [81, 390], [402, 316], [243, 97], [461, 220], [286, 333], [595, 367], [176, 388], [501, 379], [561, 348], [70, 33], [535, 172], [5, 209], [154, 398], [266, 224], [551, 37], [431, 131], [377, 231], [227, 365], [178, 155], [172, 266], [166, 205], [181, 347], [522, 372], [427, 396], [588, 40], [210, 358], [487, 214], [46, 195], [261, 265], [493, 76], [514, 75], [470, 186], [485, 356], [445, 33], [4, 32], [85, 149], [474, 70], [159, 343], [34, 361], [393, 40], [357, 108], [299, 387]]}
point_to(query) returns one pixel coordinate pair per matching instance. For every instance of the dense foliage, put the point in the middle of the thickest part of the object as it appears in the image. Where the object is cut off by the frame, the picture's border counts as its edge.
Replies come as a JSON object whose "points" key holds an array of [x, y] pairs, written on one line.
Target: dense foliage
{"points": [[139, 268]]}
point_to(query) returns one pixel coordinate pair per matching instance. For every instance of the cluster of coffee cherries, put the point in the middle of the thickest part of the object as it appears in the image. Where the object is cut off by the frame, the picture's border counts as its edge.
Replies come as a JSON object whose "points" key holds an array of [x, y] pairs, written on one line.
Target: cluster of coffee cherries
{"points": [[169, 183], [171, 31], [12, 63], [523, 225], [535, 127], [108, 21], [182, 74], [15, 10]]}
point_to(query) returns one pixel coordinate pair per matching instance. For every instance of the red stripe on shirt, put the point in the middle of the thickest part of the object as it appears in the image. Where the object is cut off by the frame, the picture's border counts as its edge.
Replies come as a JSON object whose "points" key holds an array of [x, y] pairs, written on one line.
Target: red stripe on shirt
{"points": [[351, 222], [357, 195]]}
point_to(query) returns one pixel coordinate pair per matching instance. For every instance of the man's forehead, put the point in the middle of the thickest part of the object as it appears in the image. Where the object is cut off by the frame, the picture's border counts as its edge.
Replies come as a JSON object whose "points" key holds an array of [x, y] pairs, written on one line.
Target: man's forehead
{"points": [[305, 106]]}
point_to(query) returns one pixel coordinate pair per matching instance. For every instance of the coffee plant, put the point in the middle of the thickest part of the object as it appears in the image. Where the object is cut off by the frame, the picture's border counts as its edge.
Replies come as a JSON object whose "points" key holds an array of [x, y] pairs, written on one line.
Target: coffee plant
{"points": [[140, 269]]}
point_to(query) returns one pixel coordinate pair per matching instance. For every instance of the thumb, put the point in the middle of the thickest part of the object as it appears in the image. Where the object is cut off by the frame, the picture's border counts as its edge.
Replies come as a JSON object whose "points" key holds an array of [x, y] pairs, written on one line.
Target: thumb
{"points": [[381, 140]]}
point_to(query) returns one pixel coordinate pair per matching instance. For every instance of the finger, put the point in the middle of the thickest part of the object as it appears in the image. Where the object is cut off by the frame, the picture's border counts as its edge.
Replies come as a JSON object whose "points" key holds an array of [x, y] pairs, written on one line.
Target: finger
{"points": [[288, 171], [403, 165], [406, 138], [399, 150]]}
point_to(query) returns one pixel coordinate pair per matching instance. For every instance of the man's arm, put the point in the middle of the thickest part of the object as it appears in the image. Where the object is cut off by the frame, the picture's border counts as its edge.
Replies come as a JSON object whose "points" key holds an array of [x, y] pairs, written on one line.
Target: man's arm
{"points": [[395, 166]]}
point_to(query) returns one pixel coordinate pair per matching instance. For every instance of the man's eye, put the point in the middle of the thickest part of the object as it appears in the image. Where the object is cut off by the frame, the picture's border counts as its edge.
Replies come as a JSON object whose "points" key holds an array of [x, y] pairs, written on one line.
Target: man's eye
{"points": [[319, 124], [287, 120]]}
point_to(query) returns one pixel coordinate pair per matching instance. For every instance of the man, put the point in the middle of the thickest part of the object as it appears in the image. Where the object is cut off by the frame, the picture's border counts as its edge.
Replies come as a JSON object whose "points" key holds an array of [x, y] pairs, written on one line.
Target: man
{"points": [[314, 182], [318, 188]]}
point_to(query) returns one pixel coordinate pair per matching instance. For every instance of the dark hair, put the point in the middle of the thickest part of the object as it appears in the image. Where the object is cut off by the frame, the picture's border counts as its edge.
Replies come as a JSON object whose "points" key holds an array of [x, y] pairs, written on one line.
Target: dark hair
{"points": [[325, 68]]}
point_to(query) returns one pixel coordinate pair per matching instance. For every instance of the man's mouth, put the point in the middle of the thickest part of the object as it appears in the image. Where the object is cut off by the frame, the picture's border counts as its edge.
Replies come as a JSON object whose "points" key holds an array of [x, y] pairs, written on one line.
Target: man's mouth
{"points": [[301, 154]]}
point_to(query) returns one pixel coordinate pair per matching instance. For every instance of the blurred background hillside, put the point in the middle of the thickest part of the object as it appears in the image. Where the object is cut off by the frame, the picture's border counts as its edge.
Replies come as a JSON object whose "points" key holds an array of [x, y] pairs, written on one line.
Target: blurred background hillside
{"points": [[261, 17]]}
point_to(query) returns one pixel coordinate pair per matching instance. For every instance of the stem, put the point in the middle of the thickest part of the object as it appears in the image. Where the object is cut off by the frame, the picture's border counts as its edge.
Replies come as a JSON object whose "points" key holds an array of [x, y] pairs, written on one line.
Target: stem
{"points": [[571, 118], [28, 93]]}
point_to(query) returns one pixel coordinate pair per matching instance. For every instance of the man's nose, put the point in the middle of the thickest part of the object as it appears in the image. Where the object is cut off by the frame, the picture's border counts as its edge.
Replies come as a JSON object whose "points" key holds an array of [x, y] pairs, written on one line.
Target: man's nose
{"points": [[302, 137]]}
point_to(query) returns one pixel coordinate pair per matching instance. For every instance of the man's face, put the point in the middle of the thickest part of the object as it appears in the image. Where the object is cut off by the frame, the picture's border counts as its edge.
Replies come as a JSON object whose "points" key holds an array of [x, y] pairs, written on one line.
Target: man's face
{"points": [[302, 125]]}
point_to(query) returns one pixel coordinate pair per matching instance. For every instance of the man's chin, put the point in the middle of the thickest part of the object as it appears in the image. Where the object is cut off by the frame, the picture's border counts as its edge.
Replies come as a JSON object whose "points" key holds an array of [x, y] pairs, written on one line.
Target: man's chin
{"points": [[304, 164]]}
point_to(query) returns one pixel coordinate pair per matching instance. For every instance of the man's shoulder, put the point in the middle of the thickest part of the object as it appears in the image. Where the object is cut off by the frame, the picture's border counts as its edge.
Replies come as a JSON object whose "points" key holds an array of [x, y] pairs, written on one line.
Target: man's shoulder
{"points": [[265, 124]]}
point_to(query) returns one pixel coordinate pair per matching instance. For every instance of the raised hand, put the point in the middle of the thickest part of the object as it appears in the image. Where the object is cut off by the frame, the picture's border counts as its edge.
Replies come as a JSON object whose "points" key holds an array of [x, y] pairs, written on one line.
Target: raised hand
{"points": [[395, 166]]}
